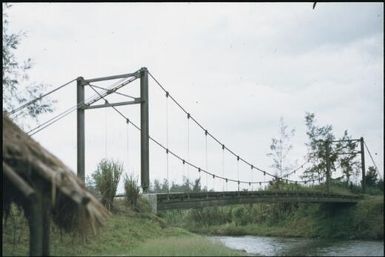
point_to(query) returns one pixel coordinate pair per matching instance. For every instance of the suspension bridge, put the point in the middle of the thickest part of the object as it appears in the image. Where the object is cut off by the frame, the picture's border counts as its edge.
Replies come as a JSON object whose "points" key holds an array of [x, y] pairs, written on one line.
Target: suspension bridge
{"points": [[183, 200]]}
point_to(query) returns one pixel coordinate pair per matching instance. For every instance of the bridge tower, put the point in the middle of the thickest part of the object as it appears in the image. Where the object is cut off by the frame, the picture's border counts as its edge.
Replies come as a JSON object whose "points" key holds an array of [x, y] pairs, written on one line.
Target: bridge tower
{"points": [[362, 163], [144, 120]]}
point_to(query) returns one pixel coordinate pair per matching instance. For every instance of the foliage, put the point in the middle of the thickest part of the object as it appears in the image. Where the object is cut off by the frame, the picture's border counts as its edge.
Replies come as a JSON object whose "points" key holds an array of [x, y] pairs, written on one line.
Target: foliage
{"points": [[239, 215], [374, 184], [15, 75], [347, 160], [368, 217], [16, 223], [208, 216], [159, 187], [323, 153], [280, 148], [371, 177], [187, 186], [320, 149], [380, 185], [106, 177], [361, 221], [90, 185], [132, 191]]}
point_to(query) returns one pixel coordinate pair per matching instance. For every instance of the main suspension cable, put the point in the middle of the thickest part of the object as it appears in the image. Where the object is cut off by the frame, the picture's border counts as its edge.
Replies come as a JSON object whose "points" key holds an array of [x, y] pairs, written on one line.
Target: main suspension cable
{"points": [[51, 121], [40, 97], [211, 135]]}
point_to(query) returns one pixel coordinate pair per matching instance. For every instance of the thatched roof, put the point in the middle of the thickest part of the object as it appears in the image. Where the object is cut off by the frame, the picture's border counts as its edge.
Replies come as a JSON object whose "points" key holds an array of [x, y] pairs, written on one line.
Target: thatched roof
{"points": [[27, 165]]}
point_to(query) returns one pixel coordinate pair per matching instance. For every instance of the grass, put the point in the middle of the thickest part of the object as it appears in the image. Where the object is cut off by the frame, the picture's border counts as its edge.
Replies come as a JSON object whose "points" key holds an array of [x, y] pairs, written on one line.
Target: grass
{"points": [[184, 245], [126, 233]]}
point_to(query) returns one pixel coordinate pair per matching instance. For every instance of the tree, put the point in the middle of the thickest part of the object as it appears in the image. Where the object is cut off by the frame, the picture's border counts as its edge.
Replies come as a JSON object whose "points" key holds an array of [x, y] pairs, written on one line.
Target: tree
{"points": [[15, 75], [197, 185], [280, 148], [320, 149], [165, 186], [371, 177], [157, 188], [323, 152], [106, 177], [347, 161]]}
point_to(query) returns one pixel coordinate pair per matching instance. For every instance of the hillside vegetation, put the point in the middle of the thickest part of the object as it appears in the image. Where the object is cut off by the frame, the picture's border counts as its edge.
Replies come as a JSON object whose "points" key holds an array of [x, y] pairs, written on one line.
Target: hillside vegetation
{"points": [[126, 233]]}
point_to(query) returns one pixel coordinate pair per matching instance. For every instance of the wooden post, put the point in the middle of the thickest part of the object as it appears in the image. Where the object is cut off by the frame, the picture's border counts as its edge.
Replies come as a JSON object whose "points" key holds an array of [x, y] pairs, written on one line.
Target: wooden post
{"points": [[46, 217]]}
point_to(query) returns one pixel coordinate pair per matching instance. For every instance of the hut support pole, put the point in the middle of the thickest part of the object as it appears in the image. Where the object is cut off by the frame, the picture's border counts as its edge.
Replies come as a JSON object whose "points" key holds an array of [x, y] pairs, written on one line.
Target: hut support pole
{"points": [[46, 226], [36, 227], [38, 219]]}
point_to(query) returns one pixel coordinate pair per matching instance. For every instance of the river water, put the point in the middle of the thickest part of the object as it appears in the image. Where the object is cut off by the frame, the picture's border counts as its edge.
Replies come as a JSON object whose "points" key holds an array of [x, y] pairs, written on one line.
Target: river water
{"points": [[275, 246]]}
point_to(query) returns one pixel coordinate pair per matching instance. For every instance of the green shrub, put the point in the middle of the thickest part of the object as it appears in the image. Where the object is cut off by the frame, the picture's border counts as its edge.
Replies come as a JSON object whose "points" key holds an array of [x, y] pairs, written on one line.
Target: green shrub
{"points": [[368, 218], [106, 178], [239, 215], [132, 191]]}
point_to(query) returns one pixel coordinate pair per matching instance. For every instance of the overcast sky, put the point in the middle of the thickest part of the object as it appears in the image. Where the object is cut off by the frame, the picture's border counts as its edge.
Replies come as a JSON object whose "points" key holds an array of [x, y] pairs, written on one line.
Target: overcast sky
{"points": [[237, 68]]}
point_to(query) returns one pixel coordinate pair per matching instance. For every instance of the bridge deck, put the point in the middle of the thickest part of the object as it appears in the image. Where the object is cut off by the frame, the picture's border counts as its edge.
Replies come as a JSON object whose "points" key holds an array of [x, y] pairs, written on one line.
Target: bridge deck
{"points": [[165, 201]]}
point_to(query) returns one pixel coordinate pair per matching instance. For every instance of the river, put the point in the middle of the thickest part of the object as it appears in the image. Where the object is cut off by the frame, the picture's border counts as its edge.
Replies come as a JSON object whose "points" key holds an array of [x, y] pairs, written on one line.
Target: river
{"points": [[276, 246]]}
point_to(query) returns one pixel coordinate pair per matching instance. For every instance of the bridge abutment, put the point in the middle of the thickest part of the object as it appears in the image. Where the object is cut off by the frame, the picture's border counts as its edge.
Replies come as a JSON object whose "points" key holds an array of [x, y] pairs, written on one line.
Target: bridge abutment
{"points": [[152, 199]]}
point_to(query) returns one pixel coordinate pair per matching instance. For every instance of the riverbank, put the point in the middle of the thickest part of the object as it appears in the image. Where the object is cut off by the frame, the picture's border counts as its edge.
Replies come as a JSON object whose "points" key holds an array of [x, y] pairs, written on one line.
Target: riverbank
{"points": [[363, 220], [125, 233]]}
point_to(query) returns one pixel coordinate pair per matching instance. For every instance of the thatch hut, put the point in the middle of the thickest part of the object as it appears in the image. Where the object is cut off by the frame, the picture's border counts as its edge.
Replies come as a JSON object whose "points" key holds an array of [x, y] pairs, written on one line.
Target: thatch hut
{"points": [[45, 188]]}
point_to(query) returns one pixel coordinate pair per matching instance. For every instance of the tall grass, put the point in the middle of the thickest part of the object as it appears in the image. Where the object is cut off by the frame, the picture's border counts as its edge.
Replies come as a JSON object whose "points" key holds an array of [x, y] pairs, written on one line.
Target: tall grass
{"points": [[106, 178], [132, 191], [183, 246]]}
